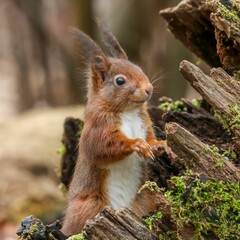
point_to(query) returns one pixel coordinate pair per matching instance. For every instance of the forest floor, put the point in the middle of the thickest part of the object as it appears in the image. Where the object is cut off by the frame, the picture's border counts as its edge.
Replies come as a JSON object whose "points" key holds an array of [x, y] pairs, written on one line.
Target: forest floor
{"points": [[29, 159]]}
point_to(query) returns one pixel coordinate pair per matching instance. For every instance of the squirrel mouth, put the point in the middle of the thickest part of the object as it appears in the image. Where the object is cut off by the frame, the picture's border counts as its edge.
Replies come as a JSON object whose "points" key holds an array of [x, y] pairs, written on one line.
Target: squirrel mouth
{"points": [[140, 101]]}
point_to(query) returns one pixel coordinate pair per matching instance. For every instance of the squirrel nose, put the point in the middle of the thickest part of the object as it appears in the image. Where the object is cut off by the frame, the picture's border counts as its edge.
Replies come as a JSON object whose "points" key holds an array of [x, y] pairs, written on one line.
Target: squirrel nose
{"points": [[149, 90]]}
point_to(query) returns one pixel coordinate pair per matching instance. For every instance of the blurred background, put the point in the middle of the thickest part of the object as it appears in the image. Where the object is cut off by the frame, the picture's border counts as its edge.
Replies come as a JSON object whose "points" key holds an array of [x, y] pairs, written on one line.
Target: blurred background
{"points": [[40, 85]]}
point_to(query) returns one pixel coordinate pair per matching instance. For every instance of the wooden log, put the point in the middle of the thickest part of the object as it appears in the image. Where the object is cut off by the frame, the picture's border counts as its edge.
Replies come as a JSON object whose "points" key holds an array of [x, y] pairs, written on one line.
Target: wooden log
{"points": [[197, 34], [220, 91], [213, 33], [120, 224], [199, 157]]}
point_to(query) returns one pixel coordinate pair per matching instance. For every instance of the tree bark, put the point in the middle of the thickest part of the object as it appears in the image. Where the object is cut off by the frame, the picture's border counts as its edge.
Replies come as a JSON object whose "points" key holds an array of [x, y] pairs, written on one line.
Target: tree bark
{"points": [[210, 29], [198, 157], [120, 224], [220, 90]]}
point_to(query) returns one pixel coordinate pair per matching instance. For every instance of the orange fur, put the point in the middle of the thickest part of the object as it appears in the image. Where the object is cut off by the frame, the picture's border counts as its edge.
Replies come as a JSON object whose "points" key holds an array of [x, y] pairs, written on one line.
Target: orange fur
{"points": [[102, 143]]}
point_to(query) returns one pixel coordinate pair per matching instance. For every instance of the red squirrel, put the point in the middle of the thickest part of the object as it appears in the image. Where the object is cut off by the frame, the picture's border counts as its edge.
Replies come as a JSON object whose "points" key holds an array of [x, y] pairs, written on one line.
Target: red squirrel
{"points": [[116, 138]]}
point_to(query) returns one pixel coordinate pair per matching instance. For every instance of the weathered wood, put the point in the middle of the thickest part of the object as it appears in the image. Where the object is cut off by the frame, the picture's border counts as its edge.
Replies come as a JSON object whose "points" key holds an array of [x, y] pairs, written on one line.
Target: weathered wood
{"points": [[70, 139], [199, 157], [220, 91], [120, 224], [207, 128], [197, 34], [213, 33]]}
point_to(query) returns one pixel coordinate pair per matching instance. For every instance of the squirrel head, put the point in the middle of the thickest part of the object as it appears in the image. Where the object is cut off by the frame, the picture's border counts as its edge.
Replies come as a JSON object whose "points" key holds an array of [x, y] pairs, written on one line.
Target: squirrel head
{"points": [[113, 81]]}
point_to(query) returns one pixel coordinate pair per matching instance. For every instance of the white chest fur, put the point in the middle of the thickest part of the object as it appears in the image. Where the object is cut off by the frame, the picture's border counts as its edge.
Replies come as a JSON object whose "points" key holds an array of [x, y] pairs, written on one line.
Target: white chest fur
{"points": [[125, 176]]}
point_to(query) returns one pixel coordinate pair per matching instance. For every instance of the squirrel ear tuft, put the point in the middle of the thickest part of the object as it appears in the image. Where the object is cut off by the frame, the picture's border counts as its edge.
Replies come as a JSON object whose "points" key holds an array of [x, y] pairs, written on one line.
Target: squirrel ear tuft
{"points": [[111, 42], [84, 46]]}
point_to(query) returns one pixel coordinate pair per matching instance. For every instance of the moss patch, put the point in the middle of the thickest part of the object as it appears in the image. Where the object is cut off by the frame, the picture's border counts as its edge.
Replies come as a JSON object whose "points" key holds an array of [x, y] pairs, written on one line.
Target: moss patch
{"points": [[237, 75], [152, 186], [212, 207], [177, 106], [235, 122], [215, 151], [151, 220], [230, 11], [229, 124], [80, 236]]}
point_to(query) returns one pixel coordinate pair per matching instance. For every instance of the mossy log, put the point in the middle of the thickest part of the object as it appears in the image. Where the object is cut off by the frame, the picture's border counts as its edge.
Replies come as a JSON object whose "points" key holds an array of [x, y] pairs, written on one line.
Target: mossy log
{"points": [[199, 157], [221, 91], [210, 29]]}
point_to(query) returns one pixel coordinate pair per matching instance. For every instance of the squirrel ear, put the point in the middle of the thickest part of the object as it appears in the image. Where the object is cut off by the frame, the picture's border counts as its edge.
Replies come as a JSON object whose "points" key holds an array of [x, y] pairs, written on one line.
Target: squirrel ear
{"points": [[111, 42], [85, 47], [100, 65]]}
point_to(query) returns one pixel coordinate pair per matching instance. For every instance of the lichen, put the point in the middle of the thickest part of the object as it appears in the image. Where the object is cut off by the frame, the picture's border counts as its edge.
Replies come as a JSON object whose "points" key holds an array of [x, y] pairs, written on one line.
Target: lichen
{"points": [[212, 207]]}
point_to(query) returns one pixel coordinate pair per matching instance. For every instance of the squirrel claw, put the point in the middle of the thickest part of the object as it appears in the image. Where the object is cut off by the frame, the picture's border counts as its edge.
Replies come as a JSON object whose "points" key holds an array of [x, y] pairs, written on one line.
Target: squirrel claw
{"points": [[159, 146], [143, 149]]}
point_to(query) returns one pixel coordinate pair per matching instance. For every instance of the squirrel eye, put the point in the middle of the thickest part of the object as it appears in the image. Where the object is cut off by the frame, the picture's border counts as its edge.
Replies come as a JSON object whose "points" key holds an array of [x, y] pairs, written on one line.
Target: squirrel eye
{"points": [[120, 81]]}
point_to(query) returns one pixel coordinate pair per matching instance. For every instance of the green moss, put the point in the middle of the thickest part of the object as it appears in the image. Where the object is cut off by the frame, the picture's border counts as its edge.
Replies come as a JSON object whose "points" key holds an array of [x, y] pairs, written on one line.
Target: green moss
{"points": [[153, 218], [62, 150], [196, 102], [80, 128], [231, 14], [80, 236], [177, 106], [212, 207], [170, 235], [229, 124], [235, 122], [34, 231], [229, 11], [230, 154], [34, 228], [219, 115], [215, 151], [152, 186], [237, 75], [63, 189], [51, 237]]}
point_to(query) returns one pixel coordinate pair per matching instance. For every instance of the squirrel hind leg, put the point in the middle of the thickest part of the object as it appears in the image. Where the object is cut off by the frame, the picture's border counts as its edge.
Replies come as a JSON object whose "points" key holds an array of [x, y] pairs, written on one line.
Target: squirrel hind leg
{"points": [[78, 212]]}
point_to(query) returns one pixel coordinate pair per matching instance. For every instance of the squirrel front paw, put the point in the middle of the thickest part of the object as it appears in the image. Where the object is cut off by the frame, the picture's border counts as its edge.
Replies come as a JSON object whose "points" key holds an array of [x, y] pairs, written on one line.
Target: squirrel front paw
{"points": [[159, 146], [143, 149]]}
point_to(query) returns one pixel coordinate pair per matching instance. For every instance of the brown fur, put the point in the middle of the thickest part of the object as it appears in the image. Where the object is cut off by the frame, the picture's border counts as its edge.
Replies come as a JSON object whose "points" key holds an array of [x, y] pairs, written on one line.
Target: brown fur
{"points": [[102, 143]]}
